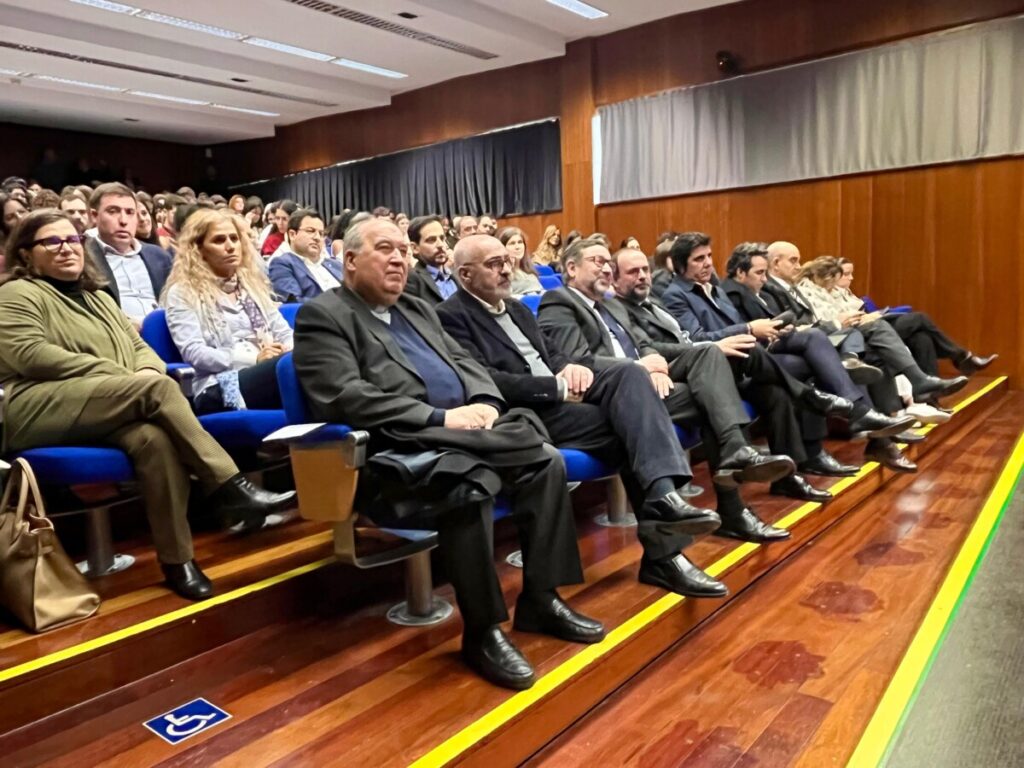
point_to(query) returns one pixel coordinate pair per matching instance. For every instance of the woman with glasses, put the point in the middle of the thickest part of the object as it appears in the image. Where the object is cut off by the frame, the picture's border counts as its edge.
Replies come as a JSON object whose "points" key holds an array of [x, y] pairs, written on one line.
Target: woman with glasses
{"points": [[524, 276], [74, 371], [222, 317]]}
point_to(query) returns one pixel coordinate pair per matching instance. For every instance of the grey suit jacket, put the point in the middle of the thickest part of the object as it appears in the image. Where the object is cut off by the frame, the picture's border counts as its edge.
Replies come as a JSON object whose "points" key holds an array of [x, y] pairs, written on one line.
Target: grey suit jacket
{"points": [[570, 326], [353, 371], [662, 335], [421, 285]]}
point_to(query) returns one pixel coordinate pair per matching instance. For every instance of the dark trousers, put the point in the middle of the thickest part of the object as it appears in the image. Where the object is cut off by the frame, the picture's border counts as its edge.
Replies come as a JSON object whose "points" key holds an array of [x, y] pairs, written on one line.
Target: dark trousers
{"points": [[542, 513], [621, 422], [816, 352], [258, 384], [926, 342]]}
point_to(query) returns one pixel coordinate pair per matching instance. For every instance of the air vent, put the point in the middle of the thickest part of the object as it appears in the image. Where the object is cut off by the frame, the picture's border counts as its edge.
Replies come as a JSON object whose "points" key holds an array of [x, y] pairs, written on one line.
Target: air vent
{"points": [[159, 73], [407, 15], [389, 26]]}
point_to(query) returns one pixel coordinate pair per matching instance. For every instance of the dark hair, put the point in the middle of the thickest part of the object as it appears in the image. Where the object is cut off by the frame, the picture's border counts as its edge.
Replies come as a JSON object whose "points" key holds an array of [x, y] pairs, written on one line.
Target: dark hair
{"points": [[661, 253], [575, 249], [182, 212], [110, 188], [45, 198], [743, 256], [667, 235], [251, 204], [19, 243], [382, 210], [526, 263], [684, 246], [625, 242], [5, 198], [571, 238], [417, 224], [288, 206], [295, 219]]}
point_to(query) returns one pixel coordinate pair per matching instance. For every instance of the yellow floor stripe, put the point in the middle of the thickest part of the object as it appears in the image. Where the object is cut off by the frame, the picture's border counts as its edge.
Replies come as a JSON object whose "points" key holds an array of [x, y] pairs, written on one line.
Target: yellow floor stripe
{"points": [[455, 745], [158, 621], [880, 731]]}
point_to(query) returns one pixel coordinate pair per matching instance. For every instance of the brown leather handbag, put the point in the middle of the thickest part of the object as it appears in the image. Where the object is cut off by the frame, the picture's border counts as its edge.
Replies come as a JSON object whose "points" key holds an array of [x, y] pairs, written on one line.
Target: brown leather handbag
{"points": [[38, 582]]}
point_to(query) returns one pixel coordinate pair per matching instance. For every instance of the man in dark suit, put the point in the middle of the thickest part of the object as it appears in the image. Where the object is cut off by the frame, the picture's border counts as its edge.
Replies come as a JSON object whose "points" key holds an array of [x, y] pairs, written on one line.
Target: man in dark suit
{"points": [[376, 359], [431, 279], [306, 270], [807, 351], [135, 272], [697, 387], [613, 413]]}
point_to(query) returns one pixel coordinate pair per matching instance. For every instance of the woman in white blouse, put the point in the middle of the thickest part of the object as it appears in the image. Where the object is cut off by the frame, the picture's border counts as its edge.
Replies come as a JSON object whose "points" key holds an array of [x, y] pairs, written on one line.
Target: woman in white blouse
{"points": [[221, 315]]}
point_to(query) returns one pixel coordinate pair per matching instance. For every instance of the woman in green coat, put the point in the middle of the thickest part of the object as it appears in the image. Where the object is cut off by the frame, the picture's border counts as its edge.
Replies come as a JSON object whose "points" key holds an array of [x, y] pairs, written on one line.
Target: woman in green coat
{"points": [[74, 371]]}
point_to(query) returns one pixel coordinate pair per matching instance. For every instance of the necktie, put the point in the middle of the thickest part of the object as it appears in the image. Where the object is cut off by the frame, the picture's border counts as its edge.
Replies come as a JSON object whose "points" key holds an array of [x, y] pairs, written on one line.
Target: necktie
{"points": [[618, 332]]}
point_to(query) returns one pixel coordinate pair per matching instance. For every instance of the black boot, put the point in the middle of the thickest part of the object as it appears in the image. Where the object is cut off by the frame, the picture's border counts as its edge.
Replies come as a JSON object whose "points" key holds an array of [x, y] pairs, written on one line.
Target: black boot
{"points": [[239, 501]]}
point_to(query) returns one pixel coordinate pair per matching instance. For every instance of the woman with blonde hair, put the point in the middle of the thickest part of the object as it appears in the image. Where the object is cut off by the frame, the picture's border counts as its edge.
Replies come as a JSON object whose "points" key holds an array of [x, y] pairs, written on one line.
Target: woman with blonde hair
{"points": [[222, 317], [549, 252], [524, 275]]}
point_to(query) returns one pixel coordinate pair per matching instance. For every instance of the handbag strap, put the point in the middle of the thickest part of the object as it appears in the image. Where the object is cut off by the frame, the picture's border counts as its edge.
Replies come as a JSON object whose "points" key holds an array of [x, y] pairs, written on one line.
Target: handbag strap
{"points": [[16, 478], [29, 479]]}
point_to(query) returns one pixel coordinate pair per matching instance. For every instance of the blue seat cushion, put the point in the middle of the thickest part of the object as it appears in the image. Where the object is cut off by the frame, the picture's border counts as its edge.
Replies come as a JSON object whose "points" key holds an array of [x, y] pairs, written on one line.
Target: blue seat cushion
{"points": [[242, 429], [73, 465], [581, 466]]}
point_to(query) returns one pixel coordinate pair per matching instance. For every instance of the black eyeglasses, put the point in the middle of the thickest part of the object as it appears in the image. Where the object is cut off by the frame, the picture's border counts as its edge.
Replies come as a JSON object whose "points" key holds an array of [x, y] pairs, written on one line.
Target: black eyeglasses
{"points": [[53, 244]]}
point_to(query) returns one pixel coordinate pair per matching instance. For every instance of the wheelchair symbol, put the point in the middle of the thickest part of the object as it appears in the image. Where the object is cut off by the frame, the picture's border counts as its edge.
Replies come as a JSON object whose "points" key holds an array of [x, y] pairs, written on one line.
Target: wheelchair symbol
{"points": [[177, 730]]}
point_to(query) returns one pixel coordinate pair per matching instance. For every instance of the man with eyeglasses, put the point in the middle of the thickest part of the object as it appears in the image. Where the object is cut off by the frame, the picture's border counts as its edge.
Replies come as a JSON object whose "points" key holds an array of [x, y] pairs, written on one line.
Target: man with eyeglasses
{"points": [[305, 271], [135, 272], [610, 411], [696, 386]]}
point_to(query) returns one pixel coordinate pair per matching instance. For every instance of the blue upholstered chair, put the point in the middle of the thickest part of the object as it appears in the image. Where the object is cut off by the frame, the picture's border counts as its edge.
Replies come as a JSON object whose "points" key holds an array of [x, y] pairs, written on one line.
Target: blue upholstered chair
{"points": [[550, 282], [870, 306], [543, 269], [531, 301]]}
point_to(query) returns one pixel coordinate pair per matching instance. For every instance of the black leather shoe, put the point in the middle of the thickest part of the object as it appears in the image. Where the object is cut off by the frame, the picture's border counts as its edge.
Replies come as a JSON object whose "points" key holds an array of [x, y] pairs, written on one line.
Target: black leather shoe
{"points": [[239, 501], [674, 514], [749, 466], [888, 455], [826, 465], [971, 364], [679, 575], [493, 656], [874, 424], [933, 386], [548, 614], [909, 437], [860, 372], [826, 404], [187, 580], [746, 526], [795, 487]]}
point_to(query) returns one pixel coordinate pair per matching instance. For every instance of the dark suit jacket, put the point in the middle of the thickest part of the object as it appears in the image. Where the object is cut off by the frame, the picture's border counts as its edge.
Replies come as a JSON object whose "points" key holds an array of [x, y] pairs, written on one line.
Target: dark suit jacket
{"points": [[353, 371], [293, 281], [804, 313], [662, 336], [660, 280], [421, 285], [702, 319], [470, 324], [570, 326], [746, 302], [158, 263]]}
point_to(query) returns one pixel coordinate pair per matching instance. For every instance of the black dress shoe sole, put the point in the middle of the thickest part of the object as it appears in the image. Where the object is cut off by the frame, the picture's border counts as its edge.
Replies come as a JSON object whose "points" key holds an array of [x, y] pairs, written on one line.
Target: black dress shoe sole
{"points": [[655, 581], [864, 376], [694, 526], [950, 389], [822, 498], [567, 633], [753, 538], [909, 438], [763, 472], [824, 472], [201, 593]]}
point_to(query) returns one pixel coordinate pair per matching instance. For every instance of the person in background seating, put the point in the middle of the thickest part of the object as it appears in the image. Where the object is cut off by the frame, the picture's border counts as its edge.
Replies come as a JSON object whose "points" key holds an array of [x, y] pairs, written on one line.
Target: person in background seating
{"points": [[613, 413], [166, 231], [524, 276], [75, 372], [549, 251], [466, 226], [45, 198], [431, 279], [222, 318], [75, 205], [237, 204], [373, 357], [145, 230], [661, 264], [275, 239], [486, 225], [402, 220], [306, 270], [135, 272]]}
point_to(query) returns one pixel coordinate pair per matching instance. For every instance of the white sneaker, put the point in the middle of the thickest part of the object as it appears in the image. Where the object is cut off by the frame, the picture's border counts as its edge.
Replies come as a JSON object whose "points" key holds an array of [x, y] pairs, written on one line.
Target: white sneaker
{"points": [[926, 414]]}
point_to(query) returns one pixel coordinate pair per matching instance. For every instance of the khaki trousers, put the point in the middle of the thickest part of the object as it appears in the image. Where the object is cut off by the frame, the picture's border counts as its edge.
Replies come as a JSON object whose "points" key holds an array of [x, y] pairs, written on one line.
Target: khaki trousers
{"points": [[148, 418]]}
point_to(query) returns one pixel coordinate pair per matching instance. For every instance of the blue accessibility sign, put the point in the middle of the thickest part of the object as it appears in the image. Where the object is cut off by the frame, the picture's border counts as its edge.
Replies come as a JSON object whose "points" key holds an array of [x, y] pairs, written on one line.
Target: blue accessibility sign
{"points": [[186, 721]]}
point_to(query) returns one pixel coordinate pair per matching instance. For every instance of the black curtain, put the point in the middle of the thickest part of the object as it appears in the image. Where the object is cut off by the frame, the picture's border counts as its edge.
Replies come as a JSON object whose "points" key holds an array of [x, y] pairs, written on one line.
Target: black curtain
{"points": [[504, 173]]}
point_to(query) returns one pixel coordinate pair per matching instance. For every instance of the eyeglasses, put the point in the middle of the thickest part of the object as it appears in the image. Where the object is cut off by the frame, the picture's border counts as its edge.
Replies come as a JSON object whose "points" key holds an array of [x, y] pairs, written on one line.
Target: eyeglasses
{"points": [[54, 244], [312, 232], [600, 261], [497, 263]]}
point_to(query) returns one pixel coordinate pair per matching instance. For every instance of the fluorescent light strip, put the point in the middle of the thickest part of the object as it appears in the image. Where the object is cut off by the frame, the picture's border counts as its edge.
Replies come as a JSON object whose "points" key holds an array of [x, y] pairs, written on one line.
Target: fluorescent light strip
{"points": [[104, 5], [580, 9], [284, 48], [259, 112], [368, 68], [192, 26], [79, 83], [176, 99]]}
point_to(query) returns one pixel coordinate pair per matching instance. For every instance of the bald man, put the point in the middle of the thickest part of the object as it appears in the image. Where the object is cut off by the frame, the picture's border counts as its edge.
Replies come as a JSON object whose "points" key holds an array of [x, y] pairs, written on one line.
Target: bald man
{"points": [[614, 413]]}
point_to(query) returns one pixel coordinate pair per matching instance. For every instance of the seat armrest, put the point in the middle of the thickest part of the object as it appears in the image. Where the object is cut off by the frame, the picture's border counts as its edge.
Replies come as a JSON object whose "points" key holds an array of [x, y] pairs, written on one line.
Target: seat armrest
{"points": [[185, 375], [352, 442]]}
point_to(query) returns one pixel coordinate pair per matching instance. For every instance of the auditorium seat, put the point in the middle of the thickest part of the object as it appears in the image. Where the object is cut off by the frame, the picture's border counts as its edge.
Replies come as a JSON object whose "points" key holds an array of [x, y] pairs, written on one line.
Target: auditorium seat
{"points": [[531, 301], [550, 282], [870, 306], [543, 269]]}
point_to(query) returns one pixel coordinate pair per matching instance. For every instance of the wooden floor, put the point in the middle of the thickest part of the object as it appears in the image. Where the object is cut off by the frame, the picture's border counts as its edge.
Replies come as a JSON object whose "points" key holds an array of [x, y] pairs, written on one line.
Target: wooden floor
{"points": [[312, 675]]}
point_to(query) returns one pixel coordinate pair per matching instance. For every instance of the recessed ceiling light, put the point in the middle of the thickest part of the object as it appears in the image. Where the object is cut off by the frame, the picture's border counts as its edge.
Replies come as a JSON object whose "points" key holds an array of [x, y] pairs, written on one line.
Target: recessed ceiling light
{"points": [[193, 26], [104, 5], [176, 99], [580, 9], [79, 83], [368, 68], [259, 112], [284, 48]]}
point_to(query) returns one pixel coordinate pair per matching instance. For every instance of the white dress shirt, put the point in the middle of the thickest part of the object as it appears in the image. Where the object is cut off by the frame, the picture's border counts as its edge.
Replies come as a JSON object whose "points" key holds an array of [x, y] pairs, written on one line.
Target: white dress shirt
{"points": [[134, 284]]}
